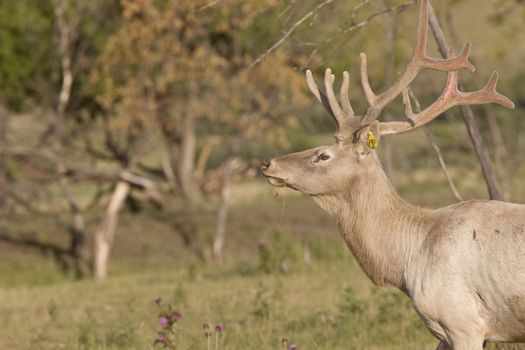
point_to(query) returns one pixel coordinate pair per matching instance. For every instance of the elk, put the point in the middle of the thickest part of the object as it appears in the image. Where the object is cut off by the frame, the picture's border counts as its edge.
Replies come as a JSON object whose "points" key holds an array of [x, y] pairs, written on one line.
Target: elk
{"points": [[462, 266]]}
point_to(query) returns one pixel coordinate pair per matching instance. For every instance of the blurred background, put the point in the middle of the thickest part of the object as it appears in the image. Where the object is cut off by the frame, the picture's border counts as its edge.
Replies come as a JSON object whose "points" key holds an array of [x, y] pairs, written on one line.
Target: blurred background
{"points": [[130, 137]]}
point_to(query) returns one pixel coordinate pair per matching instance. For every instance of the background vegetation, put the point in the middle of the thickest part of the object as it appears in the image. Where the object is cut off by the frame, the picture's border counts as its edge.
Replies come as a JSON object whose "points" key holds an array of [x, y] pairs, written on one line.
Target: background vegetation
{"points": [[130, 136]]}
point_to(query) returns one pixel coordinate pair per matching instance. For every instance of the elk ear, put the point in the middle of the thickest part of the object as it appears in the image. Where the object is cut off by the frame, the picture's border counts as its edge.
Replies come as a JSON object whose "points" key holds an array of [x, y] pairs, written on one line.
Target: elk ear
{"points": [[367, 139]]}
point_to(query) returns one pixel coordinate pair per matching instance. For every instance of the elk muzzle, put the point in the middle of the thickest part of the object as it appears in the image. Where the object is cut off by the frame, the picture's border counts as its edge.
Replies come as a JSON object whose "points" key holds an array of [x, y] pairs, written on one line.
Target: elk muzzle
{"points": [[267, 168]]}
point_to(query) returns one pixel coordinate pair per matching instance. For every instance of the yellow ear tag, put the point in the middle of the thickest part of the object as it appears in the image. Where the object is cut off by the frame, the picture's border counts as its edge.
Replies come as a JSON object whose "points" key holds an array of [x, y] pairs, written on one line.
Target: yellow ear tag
{"points": [[372, 141]]}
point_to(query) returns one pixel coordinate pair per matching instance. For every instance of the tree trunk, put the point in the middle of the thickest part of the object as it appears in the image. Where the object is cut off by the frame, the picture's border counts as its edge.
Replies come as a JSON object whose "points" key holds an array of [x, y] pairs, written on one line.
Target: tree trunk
{"points": [[499, 152], [498, 146], [64, 30], [78, 246], [167, 169], [468, 117], [3, 170], [204, 156], [187, 158], [106, 232], [222, 214], [166, 156]]}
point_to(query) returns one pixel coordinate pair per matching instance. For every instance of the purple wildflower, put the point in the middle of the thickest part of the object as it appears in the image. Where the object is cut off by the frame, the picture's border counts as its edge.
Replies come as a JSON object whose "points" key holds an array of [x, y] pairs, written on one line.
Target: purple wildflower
{"points": [[219, 327], [293, 347], [164, 321], [161, 337], [157, 300]]}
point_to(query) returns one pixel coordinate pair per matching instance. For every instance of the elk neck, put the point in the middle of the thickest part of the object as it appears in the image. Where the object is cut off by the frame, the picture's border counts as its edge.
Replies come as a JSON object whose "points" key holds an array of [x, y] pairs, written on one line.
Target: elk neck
{"points": [[383, 231]]}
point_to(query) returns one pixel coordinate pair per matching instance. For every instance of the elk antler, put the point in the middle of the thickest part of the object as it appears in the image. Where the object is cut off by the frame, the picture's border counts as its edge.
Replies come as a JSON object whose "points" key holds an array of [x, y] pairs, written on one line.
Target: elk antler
{"points": [[451, 96], [344, 115], [347, 122]]}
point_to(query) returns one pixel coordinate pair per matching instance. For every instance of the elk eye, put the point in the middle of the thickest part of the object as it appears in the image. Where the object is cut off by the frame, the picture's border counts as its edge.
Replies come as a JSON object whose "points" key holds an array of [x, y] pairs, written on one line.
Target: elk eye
{"points": [[324, 156]]}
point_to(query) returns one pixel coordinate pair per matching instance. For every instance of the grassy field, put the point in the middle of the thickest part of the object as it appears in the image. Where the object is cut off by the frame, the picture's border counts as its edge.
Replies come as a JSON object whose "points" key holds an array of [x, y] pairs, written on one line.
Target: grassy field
{"points": [[328, 306], [286, 274]]}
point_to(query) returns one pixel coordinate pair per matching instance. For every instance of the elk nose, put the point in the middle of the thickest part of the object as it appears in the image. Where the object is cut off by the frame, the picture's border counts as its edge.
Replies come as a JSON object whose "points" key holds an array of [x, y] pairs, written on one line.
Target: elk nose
{"points": [[266, 165]]}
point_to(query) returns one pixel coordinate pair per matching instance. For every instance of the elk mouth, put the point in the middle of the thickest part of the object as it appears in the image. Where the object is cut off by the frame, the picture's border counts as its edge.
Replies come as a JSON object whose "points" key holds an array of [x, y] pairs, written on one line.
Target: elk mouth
{"points": [[276, 181]]}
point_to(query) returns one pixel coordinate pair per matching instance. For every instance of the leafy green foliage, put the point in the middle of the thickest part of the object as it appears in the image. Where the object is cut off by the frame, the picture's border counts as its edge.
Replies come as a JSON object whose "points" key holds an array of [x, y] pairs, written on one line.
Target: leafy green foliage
{"points": [[280, 254], [26, 30]]}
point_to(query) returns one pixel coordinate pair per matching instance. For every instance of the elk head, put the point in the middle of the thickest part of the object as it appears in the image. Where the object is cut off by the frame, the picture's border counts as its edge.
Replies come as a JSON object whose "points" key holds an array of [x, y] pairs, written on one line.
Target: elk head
{"points": [[328, 169]]}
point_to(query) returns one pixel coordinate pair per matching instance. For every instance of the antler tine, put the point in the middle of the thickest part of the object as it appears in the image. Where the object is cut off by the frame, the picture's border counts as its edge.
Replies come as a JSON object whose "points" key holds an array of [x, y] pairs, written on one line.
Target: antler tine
{"points": [[450, 97], [419, 61], [365, 82], [321, 97], [343, 114], [458, 62], [487, 95], [329, 80], [344, 97]]}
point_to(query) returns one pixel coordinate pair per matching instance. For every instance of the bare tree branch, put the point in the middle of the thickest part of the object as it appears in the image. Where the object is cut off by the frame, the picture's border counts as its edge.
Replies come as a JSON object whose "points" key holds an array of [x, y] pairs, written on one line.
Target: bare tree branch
{"points": [[453, 187], [289, 32], [357, 26], [353, 27], [444, 168], [207, 6], [80, 172], [20, 200], [468, 116], [58, 252]]}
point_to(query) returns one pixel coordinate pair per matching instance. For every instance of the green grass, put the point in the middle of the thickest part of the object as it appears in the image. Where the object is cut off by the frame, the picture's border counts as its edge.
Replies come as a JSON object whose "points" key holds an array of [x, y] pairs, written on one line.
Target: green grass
{"points": [[261, 294], [329, 306]]}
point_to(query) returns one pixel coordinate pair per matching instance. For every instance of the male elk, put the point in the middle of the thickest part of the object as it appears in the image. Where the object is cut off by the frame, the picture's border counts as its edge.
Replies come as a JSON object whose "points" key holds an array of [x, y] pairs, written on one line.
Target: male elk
{"points": [[462, 266]]}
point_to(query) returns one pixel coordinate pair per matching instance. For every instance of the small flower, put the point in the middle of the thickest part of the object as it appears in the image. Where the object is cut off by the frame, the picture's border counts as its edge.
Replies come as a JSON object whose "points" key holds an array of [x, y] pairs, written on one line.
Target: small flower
{"points": [[175, 316], [157, 300], [205, 326], [164, 321], [207, 334], [293, 347], [161, 338], [219, 327], [284, 340]]}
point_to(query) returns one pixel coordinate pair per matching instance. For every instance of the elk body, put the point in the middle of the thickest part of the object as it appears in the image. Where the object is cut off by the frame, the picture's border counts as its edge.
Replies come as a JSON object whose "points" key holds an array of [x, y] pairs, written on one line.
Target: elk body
{"points": [[463, 266]]}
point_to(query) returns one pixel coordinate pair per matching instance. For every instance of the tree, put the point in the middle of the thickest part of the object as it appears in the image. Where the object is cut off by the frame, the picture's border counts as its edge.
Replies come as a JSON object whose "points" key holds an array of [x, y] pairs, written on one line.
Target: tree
{"points": [[154, 70], [183, 66], [55, 60]]}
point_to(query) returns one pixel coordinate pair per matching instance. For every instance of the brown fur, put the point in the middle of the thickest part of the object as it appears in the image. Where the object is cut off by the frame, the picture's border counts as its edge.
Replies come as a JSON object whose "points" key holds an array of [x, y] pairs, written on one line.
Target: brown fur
{"points": [[381, 230], [463, 266]]}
